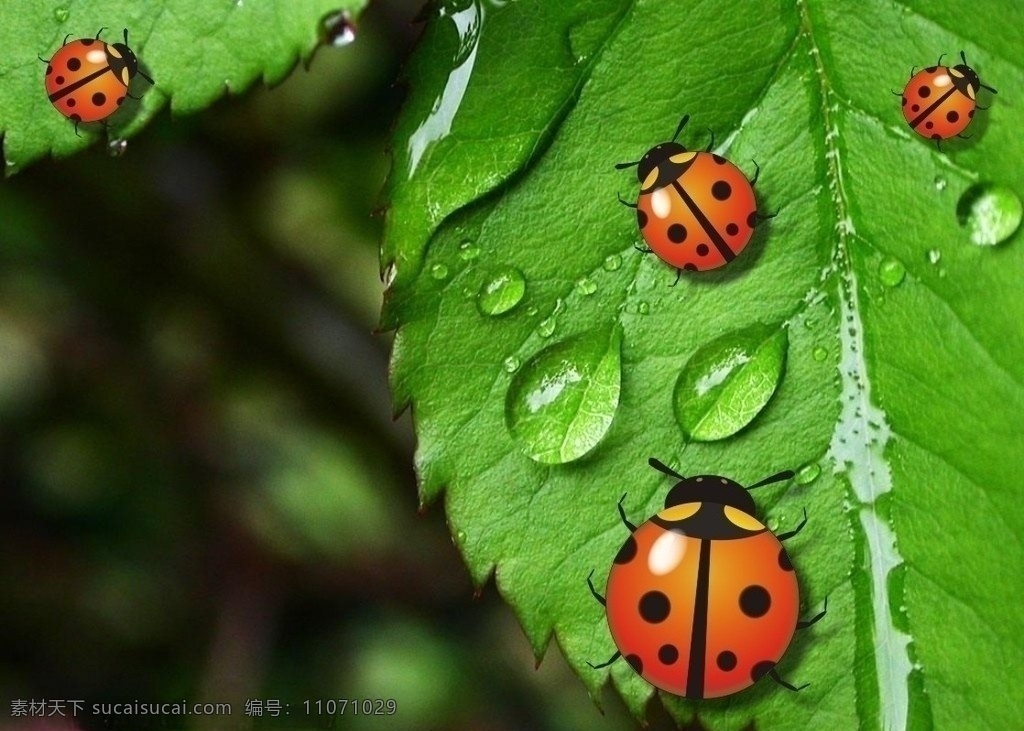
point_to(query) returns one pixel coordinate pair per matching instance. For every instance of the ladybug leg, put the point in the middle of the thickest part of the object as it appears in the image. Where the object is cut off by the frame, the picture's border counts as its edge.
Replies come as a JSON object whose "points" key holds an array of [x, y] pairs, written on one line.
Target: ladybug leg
{"points": [[913, 71], [774, 675], [986, 86], [790, 534], [983, 108], [65, 40], [626, 203], [679, 273], [711, 144], [612, 659], [805, 623], [965, 137], [593, 591], [641, 249], [77, 122], [42, 59], [757, 172], [622, 514]]}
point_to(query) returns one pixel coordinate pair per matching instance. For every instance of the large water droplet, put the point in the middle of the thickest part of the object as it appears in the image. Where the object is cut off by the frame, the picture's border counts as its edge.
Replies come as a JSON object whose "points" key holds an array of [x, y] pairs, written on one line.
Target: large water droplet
{"points": [[61, 14], [501, 292], [439, 271], [991, 213], [819, 353], [468, 250], [728, 381], [337, 29], [807, 474], [891, 272], [117, 148], [612, 262], [511, 364], [561, 403], [586, 286]]}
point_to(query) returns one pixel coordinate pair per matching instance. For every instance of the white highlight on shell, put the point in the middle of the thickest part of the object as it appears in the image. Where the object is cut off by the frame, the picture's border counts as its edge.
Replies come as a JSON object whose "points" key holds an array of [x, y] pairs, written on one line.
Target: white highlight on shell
{"points": [[667, 553], [661, 203], [96, 56]]}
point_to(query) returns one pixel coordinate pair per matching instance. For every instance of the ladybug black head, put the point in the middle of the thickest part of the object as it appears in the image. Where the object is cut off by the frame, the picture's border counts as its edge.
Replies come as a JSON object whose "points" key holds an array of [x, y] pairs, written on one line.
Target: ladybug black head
{"points": [[123, 61], [655, 156], [712, 489], [964, 78]]}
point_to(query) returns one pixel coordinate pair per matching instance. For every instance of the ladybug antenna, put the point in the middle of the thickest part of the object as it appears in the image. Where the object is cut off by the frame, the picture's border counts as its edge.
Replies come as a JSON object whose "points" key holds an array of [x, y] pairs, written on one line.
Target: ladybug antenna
{"points": [[126, 36], [963, 57], [662, 467], [682, 123], [624, 165], [784, 475]]}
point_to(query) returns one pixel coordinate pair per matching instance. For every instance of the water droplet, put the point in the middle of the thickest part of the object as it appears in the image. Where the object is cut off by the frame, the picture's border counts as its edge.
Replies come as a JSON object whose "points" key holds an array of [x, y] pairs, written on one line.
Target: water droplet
{"points": [[389, 274], [727, 382], [512, 364], [561, 404], [501, 292], [991, 213], [612, 262], [439, 271], [531, 311], [239, 3], [61, 14], [891, 272], [819, 353], [586, 286], [468, 250], [546, 327], [810, 322], [807, 474], [643, 308], [940, 183], [460, 537], [337, 29], [117, 148], [934, 255]]}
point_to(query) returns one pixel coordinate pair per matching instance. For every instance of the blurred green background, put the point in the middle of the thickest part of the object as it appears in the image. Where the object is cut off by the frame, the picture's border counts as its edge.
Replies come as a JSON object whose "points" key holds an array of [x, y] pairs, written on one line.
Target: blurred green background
{"points": [[205, 496]]}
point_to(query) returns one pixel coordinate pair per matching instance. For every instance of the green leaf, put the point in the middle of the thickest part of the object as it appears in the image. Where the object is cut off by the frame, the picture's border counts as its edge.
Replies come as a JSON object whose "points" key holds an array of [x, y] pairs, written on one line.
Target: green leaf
{"points": [[902, 401], [194, 51]]}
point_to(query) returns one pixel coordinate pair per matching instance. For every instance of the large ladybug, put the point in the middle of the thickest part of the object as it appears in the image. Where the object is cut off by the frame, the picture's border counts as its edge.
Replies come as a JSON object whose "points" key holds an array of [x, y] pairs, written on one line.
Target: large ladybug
{"points": [[939, 101], [87, 79], [702, 599], [696, 210]]}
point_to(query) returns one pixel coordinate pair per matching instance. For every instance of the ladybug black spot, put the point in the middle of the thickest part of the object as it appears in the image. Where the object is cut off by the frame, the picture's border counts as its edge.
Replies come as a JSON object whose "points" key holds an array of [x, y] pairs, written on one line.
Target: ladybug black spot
{"points": [[732, 229], [120, 100], [636, 663], [784, 563], [924, 92], [915, 108], [74, 64], [761, 669], [87, 41], [49, 69], [929, 124], [936, 137], [970, 113], [904, 101], [627, 552], [75, 118], [71, 101], [677, 233], [952, 116], [726, 660], [641, 217], [721, 190], [752, 219], [654, 607], [59, 80], [755, 601], [99, 99], [702, 249], [931, 69], [690, 267], [718, 159], [668, 654]]}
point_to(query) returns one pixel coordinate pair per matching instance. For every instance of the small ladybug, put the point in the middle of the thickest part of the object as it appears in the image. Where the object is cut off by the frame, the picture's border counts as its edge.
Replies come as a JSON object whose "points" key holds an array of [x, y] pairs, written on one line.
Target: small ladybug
{"points": [[696, 210], [87, 80], [702, 599], [939, 101]]}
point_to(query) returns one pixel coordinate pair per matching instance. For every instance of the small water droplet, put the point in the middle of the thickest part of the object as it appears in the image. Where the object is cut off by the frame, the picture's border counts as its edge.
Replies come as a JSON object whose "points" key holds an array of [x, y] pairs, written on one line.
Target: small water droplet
{"points": [[460, 537], [940, 183], [819, 353], [512, 364], [643, 308], [561, 403], [727, 382], [117, 148], [807, 474], [586, 286], [531, 311], [612, 262], [546, 327], [934, 255], [337, 29], [439, 271], [991, 213], [389, 274], [239, 3], [891, 272], [810, 322], [468, 250], [61, 14], [501, 292]]}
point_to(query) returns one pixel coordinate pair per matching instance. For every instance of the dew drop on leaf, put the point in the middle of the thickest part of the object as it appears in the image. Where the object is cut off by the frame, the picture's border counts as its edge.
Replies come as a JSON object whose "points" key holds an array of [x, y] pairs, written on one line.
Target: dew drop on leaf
{"points": [[940, 183], [586, 286], [807, 474], [468, 250], [61, 14], [439, 271], [643, 308], [561, 403], [991, 213], [460, 537], [511, 364], [337, 29], [117, 148], [819, 353], [531, 311], [612, 262], [501, 292], [934, 255], [727, 382], [546, 327], [891, 272]]}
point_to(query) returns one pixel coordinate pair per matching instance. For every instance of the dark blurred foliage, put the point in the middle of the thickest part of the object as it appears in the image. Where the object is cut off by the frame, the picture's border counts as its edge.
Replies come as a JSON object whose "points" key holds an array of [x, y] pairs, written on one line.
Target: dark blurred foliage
{"points": [[205, 496]]}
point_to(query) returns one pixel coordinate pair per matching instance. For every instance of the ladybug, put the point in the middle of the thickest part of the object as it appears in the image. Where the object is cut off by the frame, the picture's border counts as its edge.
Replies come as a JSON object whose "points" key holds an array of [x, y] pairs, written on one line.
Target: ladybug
{"points": [[939, 101], [696, 210], [87, 80], [702, 599]]}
